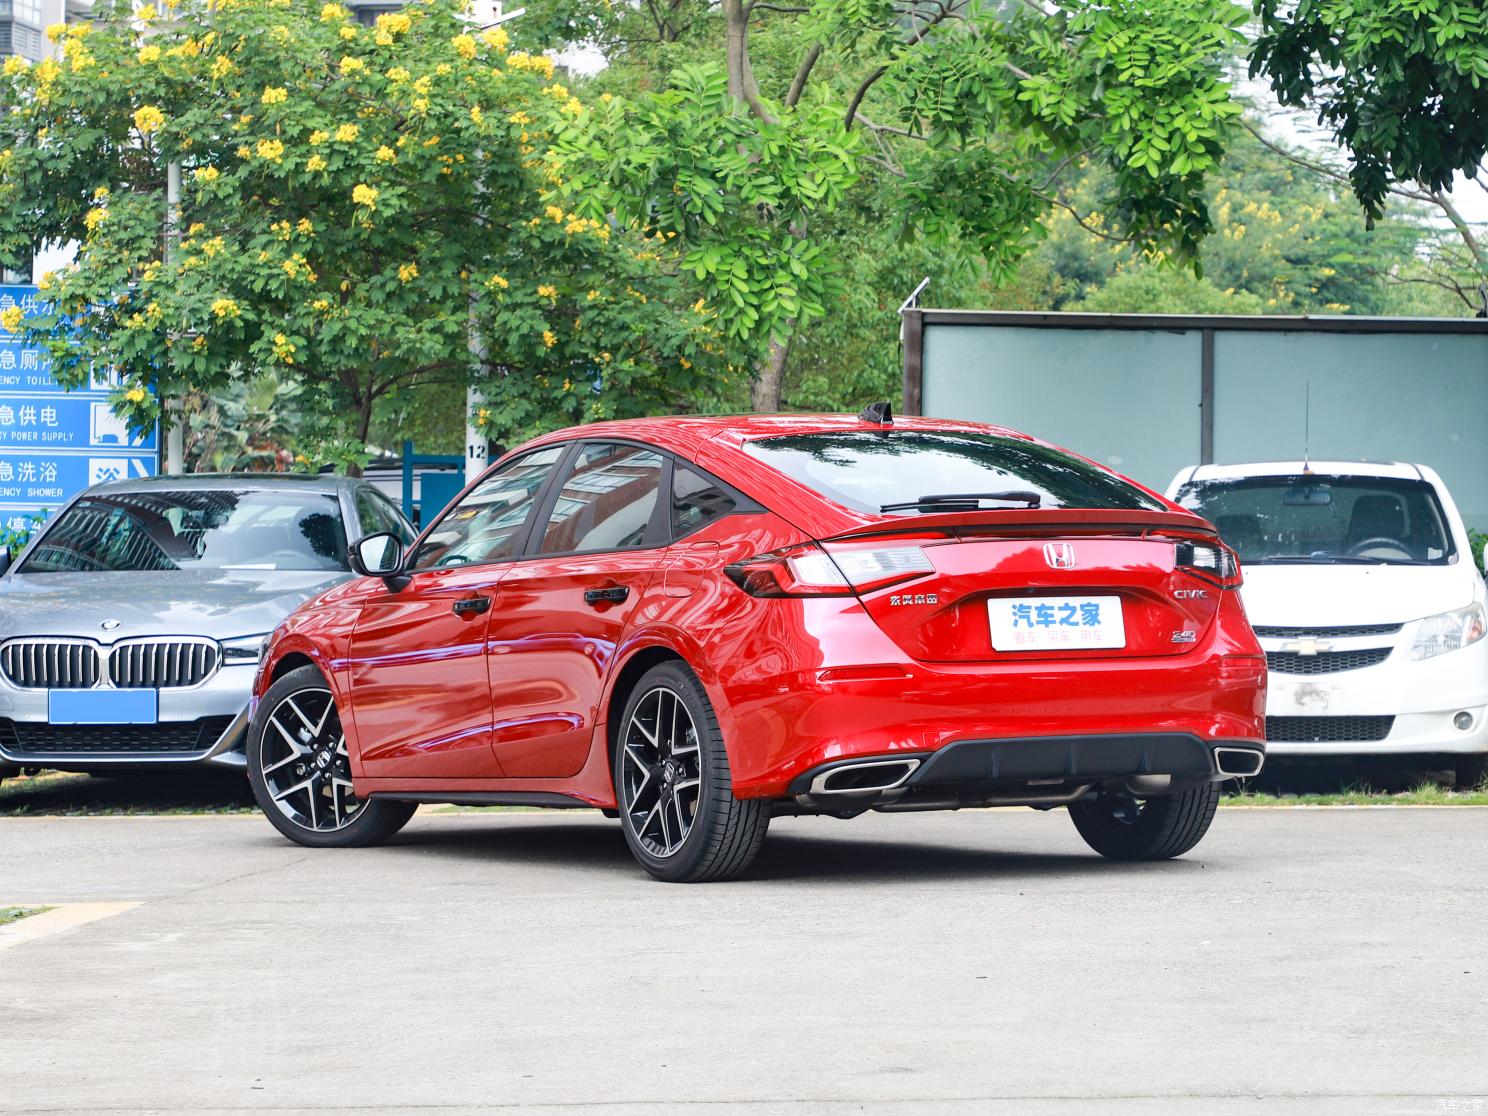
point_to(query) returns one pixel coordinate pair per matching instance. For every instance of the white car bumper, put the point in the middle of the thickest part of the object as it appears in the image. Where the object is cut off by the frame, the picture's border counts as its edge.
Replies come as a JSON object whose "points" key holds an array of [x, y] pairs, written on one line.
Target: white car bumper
{"points": [[1416, 703]]}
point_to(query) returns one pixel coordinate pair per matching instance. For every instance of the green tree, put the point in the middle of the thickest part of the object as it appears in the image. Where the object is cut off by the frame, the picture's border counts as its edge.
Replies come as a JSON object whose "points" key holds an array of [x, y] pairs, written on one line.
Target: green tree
{"points": [[352, 200], [1401, 85], [744, 129]]}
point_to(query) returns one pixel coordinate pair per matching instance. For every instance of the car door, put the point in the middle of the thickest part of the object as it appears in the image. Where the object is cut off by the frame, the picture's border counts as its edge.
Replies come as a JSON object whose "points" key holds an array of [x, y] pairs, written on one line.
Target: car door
{"points": [[563, 608], [420, 694]]}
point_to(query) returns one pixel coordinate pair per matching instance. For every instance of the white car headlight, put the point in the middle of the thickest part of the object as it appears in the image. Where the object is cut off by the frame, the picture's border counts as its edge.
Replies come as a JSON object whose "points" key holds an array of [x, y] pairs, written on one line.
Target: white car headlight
{"points": [[244, 650], [1449, 631]]}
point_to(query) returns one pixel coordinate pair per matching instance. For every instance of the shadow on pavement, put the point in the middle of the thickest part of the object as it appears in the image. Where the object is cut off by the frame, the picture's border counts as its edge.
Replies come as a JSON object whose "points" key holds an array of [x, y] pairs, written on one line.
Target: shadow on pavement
{"points": [[789, 854], [159, 791]]}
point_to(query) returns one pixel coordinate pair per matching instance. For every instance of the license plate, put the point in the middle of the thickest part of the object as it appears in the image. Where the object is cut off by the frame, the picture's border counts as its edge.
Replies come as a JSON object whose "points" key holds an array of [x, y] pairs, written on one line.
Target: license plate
{"points": [[102, 707], [1056, 623]]}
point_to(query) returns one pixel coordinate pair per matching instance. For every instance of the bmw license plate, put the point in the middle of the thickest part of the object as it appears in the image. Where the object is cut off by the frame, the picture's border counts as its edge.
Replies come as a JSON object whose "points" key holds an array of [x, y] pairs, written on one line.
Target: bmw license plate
{"points": [[1056, 623], [102, 707]]}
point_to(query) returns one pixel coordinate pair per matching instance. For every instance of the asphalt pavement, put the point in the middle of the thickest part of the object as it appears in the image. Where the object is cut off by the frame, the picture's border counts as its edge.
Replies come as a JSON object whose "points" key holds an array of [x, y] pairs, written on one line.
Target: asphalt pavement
{"points": [[1299, 960]]}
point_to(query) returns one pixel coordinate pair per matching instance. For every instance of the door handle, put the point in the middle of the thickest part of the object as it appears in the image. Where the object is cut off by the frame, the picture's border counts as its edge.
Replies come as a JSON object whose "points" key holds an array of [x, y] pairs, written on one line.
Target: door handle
{"points": [[610, 594], [472, 606]]}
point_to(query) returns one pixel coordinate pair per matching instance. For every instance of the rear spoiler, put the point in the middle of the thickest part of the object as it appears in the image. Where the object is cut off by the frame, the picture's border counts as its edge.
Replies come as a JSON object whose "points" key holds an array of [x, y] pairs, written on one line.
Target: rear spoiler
{"points": [[1025, 521]]}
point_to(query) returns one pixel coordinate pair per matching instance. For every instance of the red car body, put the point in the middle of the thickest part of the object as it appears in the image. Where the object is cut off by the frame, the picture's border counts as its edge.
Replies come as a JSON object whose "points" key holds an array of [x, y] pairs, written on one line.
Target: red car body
{"points": [[512, 701]]}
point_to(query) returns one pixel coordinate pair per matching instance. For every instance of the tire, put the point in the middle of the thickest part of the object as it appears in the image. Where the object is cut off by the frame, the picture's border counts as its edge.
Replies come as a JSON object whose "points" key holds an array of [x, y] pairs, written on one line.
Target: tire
{"points": [[673, 785], [1120, 827], [1471, 770], [300, 772]]}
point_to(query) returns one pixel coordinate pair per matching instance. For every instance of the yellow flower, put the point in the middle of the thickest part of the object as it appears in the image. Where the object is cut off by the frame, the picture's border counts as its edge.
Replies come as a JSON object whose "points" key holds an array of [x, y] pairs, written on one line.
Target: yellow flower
{"points": [[330, 13], [348, 33], [555, 213], [244, 151], [317, 138], [56, 32], [149, 54], [11, 318], [147, 118], [549, 339], [284, 349], [225, 308], [496, 38], [407, 273], [347, 133], [350, 65], [136, 394], [146, 12], [496, 282], [443, 69], [420, 105], [305, 227], [321, 305], [95, 217], [607, 97], [270, 149], [14, 65], [196, 228], [397, 74], [476, 115], [422, 84], [547, 290], [520, 118], [573, 106], [592, 295], [274, 95], [315, 163], [686, 363], [464, 46], [222, 66], [199, 342], [45, 282], [394, 23], [386, 154], [364, 195]]}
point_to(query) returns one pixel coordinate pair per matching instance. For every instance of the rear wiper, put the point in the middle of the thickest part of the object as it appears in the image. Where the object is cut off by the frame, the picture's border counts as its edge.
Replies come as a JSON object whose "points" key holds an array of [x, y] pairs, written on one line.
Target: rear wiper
{"points": [[968, 500]]}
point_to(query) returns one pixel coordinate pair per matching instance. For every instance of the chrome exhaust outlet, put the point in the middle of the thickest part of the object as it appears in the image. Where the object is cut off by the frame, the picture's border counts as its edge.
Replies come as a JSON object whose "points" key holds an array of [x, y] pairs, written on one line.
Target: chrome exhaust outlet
{"points": [[871, 777], [1238, 763]]}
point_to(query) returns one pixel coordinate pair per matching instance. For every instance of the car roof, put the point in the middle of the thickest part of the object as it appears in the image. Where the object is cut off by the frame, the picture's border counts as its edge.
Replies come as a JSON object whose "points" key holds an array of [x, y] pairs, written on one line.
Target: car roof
{"points": [[1396, 469], [691, 432], [299, 482]]}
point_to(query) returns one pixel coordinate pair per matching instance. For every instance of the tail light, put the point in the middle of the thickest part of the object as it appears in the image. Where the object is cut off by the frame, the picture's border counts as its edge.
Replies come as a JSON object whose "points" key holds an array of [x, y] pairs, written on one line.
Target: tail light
{"points": [[810, 571], [1214, 562]]}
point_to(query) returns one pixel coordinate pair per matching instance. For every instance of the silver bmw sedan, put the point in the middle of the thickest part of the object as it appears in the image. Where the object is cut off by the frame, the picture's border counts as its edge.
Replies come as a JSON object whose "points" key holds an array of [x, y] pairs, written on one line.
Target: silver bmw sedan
{"points": [[130, 626]]}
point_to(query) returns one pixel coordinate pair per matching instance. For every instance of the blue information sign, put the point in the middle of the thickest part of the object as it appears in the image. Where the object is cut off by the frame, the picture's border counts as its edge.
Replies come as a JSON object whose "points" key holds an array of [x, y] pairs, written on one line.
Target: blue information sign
{"points": [[54, 443]]}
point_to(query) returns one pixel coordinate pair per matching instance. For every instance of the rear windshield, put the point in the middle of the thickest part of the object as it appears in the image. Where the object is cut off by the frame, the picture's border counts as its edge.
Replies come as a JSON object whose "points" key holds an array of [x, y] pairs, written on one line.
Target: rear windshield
{"points": [[901, 472], [194, 529], [1310, 518]]}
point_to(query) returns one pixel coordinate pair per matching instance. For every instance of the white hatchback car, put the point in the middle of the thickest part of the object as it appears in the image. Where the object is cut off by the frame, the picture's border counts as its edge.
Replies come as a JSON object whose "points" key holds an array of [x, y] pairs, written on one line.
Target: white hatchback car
{"points": [[1361, 584]]}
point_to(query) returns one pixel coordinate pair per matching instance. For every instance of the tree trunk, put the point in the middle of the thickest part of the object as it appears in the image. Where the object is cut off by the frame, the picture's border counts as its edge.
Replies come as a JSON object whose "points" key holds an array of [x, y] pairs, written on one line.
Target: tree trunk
{"points": [[765, 391], [364, 426]]}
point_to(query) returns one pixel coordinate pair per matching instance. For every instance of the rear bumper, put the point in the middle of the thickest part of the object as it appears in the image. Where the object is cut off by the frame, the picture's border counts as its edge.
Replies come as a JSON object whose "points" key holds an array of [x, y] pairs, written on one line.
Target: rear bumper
{"points": [[1052, 760]]}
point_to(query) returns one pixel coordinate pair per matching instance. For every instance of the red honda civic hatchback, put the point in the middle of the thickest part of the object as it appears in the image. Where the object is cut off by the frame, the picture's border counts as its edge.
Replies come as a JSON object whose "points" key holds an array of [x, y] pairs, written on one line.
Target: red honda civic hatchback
{"points": [[696, 624]]}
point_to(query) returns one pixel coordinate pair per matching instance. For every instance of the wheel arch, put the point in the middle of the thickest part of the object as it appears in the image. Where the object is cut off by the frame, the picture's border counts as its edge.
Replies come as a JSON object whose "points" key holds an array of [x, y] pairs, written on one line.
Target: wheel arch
{"points": [[626, 677]]}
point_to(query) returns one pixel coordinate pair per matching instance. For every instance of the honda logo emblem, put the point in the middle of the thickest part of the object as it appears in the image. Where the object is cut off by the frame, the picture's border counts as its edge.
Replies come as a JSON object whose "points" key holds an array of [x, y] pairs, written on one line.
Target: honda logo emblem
{"points": [[1060, 555]]}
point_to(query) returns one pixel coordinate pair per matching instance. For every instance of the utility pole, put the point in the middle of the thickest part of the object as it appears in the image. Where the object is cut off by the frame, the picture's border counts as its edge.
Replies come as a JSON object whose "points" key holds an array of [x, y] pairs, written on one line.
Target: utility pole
{"points": [[175, 434], [483, 14]]}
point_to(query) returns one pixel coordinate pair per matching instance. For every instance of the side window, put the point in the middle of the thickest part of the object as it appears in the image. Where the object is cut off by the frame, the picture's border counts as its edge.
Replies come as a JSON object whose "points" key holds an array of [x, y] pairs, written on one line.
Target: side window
{"points": [[697, 500], [486, 526], [607, 501], [375, 514]]}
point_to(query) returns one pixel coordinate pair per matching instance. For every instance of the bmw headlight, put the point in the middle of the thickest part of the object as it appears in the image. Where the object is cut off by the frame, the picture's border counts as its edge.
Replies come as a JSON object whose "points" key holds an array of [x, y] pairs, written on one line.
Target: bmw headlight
{"points": [[245, 650], [1449, 631]]}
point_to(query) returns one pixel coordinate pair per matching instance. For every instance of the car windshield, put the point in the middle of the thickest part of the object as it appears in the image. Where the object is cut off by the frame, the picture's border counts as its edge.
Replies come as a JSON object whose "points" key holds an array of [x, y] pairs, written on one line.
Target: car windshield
{"points": [[896, 472], [1315, 518], [189, 529]]}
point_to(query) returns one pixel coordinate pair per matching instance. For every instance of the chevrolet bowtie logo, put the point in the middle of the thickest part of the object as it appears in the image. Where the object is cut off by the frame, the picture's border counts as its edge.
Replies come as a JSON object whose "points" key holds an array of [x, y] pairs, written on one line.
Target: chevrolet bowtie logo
{"points": [[1307, 646]]}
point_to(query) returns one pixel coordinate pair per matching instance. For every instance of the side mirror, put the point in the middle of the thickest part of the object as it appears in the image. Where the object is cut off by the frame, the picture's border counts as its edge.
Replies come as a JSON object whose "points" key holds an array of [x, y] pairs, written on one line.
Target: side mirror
{"points": [[378, 555]]}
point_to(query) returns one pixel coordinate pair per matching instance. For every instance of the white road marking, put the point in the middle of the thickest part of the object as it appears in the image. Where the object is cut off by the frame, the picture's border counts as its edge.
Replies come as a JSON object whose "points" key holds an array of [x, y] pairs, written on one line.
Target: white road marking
{"points": [[62, 916]]}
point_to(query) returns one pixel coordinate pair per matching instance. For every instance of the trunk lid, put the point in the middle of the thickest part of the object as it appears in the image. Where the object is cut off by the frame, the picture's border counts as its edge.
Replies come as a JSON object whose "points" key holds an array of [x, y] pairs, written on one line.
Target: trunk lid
{"points": [[1056, 585]]}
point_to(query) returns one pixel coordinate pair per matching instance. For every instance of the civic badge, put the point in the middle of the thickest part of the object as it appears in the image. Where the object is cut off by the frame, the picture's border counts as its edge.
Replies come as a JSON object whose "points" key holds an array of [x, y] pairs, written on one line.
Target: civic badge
{"points": [[111, 625], [1060, 555]]}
